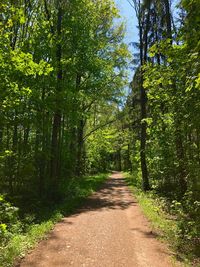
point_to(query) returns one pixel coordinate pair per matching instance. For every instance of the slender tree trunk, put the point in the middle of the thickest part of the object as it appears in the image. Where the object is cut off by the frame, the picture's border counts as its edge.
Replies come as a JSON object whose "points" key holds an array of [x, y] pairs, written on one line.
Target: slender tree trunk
{"points": [[15, 137], [178, 135], [79, 168], [73, 150], [198, 144], [119, 159], [26, 137], [44, 151], [1, 138], [55, 143], [168, 19], [143, 100], [182, 173], [129, 163], [80, 128]]}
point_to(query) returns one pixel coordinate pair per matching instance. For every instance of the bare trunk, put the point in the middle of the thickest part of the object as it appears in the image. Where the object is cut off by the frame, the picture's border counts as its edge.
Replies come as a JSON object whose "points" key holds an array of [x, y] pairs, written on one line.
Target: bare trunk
{"points": [[79, 168], [56, 129], [182, 173], [168, 19], [1, 138], [143, 102]]}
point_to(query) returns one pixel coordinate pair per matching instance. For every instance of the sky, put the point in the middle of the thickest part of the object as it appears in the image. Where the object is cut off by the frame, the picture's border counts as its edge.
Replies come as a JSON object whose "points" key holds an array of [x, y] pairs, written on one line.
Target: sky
{"points": [[131, 35], [128, 15]]}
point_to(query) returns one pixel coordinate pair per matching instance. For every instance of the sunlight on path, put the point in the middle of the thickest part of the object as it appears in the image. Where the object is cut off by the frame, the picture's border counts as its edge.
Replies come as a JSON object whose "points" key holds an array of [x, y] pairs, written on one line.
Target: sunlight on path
{"points": [[109, 230]]}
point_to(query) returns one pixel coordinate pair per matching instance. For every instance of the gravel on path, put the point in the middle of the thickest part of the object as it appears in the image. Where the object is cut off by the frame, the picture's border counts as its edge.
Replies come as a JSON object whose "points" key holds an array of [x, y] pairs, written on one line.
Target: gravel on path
{"points": [[109, 230]]}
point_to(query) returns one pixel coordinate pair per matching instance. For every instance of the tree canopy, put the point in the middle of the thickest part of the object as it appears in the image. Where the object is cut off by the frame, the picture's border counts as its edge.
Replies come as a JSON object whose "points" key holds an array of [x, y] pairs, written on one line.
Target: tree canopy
{"points": [[63, 81]]}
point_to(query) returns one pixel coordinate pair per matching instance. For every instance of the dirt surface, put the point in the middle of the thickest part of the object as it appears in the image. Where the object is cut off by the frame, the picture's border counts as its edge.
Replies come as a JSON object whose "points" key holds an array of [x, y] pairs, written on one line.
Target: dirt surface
{"points": [[109, 230]]}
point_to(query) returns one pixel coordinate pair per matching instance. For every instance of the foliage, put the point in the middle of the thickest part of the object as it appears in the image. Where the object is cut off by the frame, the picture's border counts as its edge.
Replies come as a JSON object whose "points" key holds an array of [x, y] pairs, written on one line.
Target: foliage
{"points": [[8, 219], [187, 212], [58, 62], [170, 77], [152, 207], [63, 73], [34, 227], [169, 222]]}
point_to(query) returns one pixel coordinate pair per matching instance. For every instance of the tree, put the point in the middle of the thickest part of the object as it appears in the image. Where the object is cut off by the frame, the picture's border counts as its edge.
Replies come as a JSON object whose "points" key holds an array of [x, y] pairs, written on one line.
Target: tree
{"points": [[51, 81]]}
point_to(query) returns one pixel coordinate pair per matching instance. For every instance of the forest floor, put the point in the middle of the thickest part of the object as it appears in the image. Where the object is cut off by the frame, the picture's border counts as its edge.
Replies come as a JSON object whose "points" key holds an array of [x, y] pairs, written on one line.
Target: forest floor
{"points": [[108, 230]]}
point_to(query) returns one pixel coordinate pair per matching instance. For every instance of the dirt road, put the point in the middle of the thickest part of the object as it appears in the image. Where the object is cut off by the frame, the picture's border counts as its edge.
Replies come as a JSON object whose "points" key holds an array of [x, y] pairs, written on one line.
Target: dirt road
{"points": [[108, 231]]}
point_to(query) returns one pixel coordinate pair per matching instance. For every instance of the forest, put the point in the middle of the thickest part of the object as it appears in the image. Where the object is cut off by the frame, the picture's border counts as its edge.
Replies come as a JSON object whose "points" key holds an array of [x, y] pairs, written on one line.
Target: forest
{"points": [[68, 111]]}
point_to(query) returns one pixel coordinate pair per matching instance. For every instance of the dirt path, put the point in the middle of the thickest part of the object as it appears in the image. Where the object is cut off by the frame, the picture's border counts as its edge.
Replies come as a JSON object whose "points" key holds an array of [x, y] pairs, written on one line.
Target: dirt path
{"points": [[108, 231]]}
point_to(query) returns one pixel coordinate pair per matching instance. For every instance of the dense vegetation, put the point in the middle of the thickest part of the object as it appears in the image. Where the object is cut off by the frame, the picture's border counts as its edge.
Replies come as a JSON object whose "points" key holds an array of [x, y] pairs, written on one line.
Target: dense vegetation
{"points": [[63, 70], [61, 65], [163, 112]]}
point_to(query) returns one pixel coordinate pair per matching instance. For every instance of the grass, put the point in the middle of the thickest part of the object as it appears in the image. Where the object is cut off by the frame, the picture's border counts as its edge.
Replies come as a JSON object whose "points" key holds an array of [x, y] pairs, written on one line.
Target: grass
{"points": [[164, 225], [19, 243]]}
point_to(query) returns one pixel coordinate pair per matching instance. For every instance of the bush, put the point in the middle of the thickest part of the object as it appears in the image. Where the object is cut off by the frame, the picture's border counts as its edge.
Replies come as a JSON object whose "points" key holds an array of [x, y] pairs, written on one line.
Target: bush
{"points": [[188, 218], [9, 221]]}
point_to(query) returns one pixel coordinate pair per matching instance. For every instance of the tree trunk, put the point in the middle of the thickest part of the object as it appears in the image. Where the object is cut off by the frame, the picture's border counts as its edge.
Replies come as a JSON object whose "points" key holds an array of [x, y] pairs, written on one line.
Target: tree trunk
{"points": [[26, 137], [1, 138], [55, 143], [168, 19], [143, 100], [182, 173], [79, 166], [119, 159]]}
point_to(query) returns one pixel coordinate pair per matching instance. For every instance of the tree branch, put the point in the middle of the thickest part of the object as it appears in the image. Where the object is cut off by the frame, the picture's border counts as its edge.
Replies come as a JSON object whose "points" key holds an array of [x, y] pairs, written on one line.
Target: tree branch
{"points": [[97, 128], [48, 16]]}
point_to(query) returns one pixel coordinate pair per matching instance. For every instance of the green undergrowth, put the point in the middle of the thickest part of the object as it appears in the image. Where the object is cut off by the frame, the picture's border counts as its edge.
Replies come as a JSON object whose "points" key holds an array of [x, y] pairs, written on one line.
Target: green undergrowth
{"points": [[20, 233], [165, 225]]}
